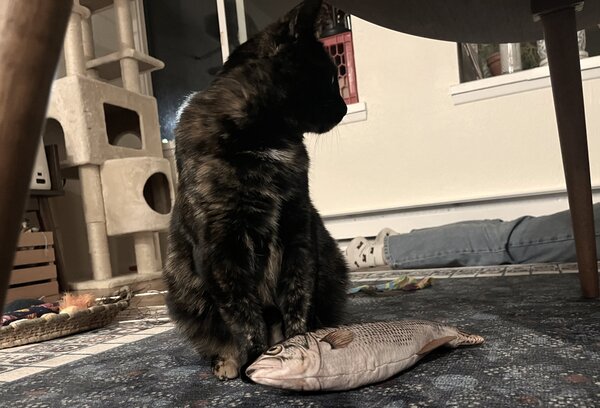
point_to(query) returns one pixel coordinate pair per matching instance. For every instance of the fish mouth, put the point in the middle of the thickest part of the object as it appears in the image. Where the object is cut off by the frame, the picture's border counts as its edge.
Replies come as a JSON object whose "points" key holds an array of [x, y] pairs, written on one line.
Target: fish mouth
{"points": [[270, 371], [262, 367], [273, 375]]}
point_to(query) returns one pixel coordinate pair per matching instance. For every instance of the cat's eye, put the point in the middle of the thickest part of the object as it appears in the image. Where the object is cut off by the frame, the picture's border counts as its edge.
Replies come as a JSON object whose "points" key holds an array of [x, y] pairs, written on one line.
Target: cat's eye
{"points": [[333, 79], [273, 351]]}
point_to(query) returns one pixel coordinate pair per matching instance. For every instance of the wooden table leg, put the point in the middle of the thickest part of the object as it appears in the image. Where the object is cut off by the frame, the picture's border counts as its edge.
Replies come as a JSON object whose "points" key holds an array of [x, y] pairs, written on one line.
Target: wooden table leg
{"points": [[560, 33], [31, 36]]}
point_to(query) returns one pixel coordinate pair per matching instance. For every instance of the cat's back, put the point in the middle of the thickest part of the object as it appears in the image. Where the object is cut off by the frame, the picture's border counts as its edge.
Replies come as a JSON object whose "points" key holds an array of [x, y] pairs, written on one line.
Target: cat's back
{"points": [[198, 121]]}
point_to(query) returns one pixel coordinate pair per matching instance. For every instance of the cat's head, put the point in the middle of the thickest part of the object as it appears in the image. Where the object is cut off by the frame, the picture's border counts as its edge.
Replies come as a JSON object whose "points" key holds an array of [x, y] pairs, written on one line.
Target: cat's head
{"points": [[287, 73]]}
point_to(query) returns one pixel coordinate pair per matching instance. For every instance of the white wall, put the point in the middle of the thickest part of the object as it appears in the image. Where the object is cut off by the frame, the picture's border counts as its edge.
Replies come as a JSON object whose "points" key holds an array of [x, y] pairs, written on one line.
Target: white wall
{"points": [[417, 148], [105, 32]]}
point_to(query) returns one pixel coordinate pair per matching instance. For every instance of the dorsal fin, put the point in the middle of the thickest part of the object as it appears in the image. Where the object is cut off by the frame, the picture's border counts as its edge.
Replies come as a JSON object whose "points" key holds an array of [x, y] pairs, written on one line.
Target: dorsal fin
{"points": [[339, 338], [433, 344]]}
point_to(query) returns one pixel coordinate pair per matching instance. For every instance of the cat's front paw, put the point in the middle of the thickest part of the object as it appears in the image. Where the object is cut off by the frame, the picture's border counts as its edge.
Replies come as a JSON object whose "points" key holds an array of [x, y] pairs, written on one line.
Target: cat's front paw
{"points": [[226, 369]]}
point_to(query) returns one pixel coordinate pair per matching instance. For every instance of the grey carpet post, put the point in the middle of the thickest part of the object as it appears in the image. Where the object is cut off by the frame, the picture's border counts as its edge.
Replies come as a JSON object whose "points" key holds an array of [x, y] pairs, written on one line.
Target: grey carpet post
{"points": [[542, 350]]}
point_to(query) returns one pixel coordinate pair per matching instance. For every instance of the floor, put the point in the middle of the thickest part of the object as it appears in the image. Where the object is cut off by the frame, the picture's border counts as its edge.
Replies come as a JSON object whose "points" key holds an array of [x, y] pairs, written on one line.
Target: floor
{"points": [[131, 325], [383, 273], [137, 323]]}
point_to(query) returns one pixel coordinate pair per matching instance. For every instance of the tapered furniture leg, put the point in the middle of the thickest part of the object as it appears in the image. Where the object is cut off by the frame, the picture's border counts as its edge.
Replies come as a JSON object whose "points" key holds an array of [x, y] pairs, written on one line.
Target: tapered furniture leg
{"points": [[31, 37], [560, 34]]}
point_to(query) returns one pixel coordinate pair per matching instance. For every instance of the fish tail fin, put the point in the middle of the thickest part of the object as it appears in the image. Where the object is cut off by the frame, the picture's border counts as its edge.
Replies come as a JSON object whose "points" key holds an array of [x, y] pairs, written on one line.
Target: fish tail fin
{"points": [[466, 339]]}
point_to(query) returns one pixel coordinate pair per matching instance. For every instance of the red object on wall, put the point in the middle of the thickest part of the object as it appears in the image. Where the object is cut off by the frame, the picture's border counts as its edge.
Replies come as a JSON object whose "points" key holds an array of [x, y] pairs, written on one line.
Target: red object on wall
{"points": [[340, 48]]}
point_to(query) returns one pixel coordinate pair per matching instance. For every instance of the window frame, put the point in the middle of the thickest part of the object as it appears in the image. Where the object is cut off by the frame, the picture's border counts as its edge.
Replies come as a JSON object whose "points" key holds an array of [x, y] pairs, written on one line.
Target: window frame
{"points": [[517, 82]]}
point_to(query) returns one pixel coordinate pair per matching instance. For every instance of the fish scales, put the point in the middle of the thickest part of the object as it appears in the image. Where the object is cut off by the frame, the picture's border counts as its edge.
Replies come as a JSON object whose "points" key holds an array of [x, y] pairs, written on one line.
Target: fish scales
{"points": [[354, 355]]}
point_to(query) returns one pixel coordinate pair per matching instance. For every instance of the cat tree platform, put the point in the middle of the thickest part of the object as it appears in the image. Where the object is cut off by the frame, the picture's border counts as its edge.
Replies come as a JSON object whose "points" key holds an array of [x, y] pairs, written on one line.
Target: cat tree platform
{"points": [[95, 5], [109, 66], [136, 281]]}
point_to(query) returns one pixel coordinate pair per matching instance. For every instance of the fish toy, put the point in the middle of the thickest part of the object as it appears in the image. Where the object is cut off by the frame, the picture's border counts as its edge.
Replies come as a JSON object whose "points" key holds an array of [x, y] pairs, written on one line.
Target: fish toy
{"points": [[350, 356]]}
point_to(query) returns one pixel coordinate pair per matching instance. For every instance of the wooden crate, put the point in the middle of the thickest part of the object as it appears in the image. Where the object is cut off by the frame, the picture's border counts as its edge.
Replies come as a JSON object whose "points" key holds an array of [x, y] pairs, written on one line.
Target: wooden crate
{"points": [[34, 270]]}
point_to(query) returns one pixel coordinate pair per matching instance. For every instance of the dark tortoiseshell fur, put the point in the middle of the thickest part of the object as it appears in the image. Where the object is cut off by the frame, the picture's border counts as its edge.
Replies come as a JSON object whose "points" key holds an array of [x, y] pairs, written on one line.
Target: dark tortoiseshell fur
{"points": [[249, 257]]}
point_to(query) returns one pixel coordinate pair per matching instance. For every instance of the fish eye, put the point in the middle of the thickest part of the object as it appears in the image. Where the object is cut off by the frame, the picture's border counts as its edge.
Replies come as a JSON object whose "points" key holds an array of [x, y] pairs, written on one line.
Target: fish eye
{"points": [[276, 349]]}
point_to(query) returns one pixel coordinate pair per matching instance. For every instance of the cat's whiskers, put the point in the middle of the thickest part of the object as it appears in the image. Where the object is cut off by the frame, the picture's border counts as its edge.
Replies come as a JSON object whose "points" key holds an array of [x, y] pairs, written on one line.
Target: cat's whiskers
{"points": [[317, 142]]}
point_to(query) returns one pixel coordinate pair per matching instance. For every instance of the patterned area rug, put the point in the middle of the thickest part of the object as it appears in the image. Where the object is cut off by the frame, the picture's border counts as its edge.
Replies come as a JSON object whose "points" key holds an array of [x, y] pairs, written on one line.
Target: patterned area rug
{"points": [[542, 350]]}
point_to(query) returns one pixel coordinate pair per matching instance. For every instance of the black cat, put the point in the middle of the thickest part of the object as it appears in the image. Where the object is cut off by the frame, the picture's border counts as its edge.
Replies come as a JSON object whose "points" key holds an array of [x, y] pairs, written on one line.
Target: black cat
{"points": [[250, 261]]}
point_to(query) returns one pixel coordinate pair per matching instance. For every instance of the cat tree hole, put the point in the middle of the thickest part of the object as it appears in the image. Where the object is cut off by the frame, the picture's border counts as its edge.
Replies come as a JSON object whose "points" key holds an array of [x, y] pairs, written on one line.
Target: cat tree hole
{"points": [[54, 134], [157, 193], [123, 127]]}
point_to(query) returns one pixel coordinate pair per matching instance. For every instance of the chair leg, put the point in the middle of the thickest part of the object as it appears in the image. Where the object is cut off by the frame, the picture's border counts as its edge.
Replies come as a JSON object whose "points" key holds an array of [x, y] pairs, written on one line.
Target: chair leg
{"points": [[560, 34], [31, 36]]}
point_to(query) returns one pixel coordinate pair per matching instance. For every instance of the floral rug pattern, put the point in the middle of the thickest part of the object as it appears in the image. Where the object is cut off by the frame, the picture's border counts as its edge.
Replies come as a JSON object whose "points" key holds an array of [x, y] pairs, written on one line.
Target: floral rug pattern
{"points": [[542, 350]]}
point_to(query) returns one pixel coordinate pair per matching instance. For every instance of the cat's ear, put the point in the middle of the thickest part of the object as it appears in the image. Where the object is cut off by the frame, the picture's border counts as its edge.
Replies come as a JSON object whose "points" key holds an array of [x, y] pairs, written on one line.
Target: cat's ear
{"points": [[303, 23]]}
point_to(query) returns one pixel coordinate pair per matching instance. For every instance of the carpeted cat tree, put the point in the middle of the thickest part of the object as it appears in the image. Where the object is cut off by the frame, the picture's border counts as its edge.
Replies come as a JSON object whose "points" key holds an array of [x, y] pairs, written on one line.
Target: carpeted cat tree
{"points": [[112, 138]]}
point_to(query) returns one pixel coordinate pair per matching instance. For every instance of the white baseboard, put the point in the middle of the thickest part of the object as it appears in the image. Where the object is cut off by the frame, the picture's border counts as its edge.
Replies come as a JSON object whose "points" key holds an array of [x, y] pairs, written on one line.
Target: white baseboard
{"points": [[368, 224]]}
